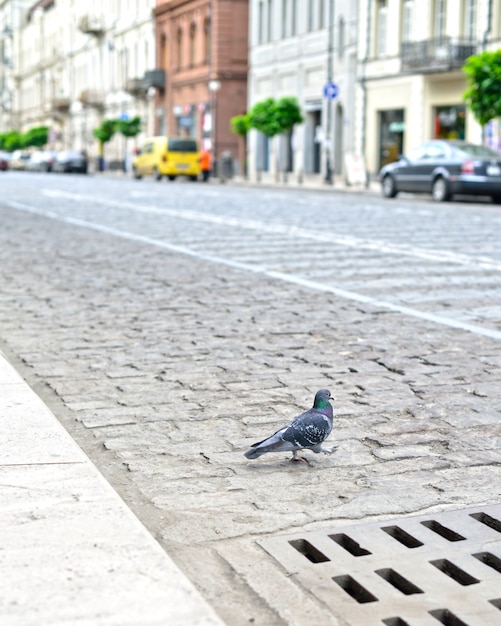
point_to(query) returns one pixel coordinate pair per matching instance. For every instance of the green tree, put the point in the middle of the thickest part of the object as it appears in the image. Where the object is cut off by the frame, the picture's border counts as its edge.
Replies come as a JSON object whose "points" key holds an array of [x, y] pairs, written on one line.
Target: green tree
{"points": [[483, 95], [12, 141], [103, 134], [36, 136], [129, 128], [263, 118], [240, 125], [272, 117]]}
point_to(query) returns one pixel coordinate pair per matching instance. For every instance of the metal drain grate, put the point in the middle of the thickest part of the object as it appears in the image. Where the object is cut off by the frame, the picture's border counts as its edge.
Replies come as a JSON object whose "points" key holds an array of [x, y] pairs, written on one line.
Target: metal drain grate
{"points": [[415, 571]]}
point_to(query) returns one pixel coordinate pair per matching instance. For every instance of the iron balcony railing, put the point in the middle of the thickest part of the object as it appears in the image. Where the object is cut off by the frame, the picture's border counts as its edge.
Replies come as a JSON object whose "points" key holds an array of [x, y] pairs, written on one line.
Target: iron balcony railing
{"points": [[436, 55]]}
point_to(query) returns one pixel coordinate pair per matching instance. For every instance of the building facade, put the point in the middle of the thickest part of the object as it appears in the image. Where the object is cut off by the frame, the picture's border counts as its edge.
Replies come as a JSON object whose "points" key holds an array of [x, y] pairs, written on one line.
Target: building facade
{"points": [[75, 64], [296, 49], [202, 45], [410, 82]]}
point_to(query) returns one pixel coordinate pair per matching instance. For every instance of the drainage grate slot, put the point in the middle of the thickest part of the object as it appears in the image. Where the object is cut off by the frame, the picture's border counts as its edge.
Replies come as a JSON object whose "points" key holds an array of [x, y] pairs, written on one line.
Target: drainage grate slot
{"points": [[349, 544], [454, 572], [447, 618], [398, 581], [489, 559], [403, 537], [395, 621], [492, 522], [309, 551], [496, 603], [354, 589], [443, 531]]}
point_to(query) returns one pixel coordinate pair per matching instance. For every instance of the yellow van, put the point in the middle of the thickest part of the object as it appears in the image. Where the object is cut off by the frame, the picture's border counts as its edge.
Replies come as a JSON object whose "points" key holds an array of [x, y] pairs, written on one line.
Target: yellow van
{"points": [[168, 156]]}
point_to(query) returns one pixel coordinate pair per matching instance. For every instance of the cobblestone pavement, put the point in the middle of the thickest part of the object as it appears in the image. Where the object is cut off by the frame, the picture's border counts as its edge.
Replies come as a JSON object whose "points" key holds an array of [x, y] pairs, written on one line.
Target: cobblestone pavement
{"points": [[169, 326]]}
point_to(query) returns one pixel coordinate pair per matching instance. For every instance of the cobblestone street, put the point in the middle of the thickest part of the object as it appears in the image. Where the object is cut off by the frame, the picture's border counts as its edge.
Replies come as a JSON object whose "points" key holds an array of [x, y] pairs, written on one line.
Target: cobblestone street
{"points": [[170, 325]]}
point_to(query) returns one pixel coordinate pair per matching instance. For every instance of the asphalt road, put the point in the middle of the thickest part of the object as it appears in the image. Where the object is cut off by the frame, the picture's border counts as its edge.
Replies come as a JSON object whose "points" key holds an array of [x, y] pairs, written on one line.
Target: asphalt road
{"points": [[170, 325]]}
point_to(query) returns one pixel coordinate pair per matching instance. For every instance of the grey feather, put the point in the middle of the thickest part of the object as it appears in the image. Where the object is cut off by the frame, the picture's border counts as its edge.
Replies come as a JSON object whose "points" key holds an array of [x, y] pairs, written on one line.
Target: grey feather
{"points": [[306, 431]]}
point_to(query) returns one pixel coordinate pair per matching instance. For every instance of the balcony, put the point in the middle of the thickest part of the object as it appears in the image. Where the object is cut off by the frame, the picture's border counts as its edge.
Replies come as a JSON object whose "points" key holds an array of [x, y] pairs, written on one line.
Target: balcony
{"points": [[136, 87], [154, 78], [61, 105], [436, 55], [91, 25], [92, 98]]}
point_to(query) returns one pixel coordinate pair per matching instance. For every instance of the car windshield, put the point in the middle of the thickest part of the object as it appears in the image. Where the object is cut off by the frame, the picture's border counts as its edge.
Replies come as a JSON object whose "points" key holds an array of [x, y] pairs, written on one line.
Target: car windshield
{"points": [[182, 145], [473, 150]]}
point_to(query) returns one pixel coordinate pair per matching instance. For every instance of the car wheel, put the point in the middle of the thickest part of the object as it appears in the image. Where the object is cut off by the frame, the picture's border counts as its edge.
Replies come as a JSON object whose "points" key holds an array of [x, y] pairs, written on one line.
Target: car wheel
{"points": [[171, 177], [156, 174], [496, 199], [388, 186], [440, 190], [136, 174], [194, 178]]}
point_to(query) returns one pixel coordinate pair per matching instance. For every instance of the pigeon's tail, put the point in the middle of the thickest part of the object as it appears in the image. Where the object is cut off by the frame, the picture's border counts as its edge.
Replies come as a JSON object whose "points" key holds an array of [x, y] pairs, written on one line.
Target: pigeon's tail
{"points": [[272, 444], [254, 453]]}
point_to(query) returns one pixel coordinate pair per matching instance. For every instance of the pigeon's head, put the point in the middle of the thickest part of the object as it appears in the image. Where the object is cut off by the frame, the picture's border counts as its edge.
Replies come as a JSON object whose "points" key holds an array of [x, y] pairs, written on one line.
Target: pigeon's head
{"points": [[322, 398]]}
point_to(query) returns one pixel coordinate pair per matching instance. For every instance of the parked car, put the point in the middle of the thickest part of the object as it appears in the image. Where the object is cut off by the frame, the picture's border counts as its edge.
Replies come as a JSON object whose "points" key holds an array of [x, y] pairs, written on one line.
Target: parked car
{"points": [[168, 156], [41, 161], [4, 161], [445, 168], [19, 160], [70, 161]]}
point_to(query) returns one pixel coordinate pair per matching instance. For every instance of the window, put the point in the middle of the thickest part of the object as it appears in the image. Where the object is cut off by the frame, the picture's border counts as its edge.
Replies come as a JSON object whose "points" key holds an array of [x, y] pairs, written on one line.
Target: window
{"points": [[407, 11], [470, 19], [193, 31], [341, 37], [207, 38], [310, 15], [294, 17], [382, 10], [285, 18], [260, 23], [269, 30], [179, 49], [439, 18]]}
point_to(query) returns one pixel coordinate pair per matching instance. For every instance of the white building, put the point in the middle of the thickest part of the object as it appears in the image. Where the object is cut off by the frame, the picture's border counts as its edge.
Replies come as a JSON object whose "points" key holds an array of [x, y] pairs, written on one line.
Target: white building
{"points": [[76, 64], [296, 48], [409, 68]]}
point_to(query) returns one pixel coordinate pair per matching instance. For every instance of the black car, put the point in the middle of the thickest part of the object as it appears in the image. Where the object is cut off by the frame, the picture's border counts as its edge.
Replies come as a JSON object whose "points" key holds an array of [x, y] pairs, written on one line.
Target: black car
{"points": [[444, 168], [70, 161]]}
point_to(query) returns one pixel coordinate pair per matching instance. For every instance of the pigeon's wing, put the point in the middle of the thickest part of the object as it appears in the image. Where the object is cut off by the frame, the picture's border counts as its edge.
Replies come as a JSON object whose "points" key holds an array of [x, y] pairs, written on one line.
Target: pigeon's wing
{"points": [[309, 429]]}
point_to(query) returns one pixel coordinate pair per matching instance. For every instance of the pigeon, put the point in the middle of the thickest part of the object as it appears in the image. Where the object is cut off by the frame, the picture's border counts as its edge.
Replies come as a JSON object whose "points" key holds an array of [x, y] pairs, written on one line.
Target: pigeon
{"points": [[308, 430]]}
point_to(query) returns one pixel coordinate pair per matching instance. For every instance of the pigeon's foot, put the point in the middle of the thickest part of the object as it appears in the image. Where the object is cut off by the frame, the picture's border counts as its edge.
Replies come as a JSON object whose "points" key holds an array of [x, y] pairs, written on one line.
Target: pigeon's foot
{"points": [[329, 450], [298, 459]]}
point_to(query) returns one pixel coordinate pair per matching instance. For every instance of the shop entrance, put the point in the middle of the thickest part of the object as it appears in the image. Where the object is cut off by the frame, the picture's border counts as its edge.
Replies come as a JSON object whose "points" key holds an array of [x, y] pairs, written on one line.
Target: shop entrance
{"points": [[391, 135]]}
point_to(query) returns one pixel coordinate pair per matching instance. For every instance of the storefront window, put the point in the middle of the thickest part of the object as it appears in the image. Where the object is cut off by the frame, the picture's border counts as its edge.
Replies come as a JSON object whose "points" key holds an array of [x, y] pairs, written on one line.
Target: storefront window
{"points": [[449, 122], [391, 135]]}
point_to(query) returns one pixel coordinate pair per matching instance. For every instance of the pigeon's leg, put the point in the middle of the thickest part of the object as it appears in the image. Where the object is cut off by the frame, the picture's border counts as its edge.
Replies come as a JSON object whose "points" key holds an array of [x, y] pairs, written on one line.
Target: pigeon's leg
{"points": [[298, 459]]}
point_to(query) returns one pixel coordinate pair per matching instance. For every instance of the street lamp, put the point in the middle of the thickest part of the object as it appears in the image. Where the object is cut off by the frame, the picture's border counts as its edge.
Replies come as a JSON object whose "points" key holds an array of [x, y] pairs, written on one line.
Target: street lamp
{"points": [[214, 87], [327, 138]]}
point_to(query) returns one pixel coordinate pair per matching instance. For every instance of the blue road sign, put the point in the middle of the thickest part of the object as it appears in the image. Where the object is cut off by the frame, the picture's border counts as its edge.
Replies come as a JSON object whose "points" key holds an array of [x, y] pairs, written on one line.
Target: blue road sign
{"points": [[331, 90]]}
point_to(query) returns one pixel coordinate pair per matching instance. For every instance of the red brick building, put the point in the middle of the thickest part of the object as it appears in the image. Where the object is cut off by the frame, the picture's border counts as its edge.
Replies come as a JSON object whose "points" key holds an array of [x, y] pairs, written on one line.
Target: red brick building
{"points": [[202, 45]]}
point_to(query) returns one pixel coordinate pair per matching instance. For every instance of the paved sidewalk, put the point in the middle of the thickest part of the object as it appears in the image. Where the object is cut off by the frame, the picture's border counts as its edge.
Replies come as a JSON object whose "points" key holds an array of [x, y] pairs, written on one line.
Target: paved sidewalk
{"points": [[71, 552]]}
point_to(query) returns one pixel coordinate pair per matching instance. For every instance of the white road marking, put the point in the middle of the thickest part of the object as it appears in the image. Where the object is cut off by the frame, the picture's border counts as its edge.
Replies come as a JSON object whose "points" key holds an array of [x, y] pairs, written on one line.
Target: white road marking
{"points": [[264, 271], [293, 231]]}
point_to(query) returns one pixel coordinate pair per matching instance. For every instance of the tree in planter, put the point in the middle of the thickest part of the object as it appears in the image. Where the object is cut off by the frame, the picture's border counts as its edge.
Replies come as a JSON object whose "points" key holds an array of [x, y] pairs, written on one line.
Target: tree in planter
{"points": [[103, 134], [272, 117], [262, 118], [129, 128], [240, 125], [482, 97]]}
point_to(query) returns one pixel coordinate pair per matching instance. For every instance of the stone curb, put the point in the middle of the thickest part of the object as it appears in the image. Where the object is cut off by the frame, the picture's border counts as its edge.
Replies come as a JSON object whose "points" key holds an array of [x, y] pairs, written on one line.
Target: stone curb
{"points": [[70, 549]]}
